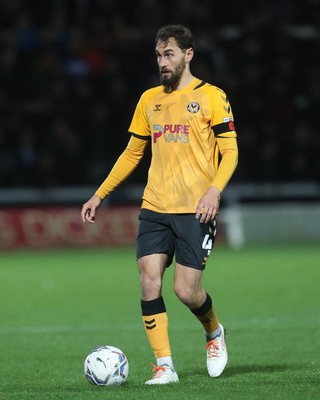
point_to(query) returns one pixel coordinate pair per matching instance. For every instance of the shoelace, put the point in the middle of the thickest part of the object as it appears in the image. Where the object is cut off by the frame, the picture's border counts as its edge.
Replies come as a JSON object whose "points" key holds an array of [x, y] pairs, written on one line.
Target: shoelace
{"points": [[212, 348], [158, 371]]}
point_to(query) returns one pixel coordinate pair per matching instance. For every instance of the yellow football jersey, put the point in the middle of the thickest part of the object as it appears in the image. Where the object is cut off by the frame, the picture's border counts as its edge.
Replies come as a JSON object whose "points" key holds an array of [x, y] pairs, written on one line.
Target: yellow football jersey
{"points": [[187, 128]]}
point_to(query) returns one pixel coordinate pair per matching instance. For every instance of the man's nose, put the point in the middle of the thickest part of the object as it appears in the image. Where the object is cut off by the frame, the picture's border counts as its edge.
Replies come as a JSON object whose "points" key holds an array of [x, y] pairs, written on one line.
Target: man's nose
{"points": [[162, 62]]}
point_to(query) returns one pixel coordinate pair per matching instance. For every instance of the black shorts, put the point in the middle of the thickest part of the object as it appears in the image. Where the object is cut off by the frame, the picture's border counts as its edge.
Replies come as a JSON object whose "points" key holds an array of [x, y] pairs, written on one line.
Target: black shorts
{"points": [[181, 235]]}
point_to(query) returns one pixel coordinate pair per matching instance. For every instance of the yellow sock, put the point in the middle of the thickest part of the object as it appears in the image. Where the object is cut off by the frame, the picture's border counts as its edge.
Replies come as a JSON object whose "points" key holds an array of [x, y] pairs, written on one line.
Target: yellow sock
{"points": [[207, 316], [155, 320], [209, 321], [156, 327]]}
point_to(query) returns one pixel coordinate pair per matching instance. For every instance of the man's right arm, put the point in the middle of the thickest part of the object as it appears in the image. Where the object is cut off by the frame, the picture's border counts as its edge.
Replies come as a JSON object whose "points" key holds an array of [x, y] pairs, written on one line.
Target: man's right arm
{"points": [[125, 165]]}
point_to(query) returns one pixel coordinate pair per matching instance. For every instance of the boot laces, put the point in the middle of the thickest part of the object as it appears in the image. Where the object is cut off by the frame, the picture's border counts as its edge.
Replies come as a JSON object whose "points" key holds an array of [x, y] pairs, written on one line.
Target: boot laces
{"points": [[212, 348], [158, 371]]}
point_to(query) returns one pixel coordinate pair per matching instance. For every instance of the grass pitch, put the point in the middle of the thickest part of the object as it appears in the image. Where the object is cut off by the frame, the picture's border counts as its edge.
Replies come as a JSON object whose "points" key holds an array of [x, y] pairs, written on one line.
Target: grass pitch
{"points": [[56, 306]]}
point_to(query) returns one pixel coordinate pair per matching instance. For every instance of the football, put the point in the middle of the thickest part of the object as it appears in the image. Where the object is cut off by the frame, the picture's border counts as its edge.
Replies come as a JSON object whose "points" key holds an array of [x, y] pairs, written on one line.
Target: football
{"points": [[106, 366]]}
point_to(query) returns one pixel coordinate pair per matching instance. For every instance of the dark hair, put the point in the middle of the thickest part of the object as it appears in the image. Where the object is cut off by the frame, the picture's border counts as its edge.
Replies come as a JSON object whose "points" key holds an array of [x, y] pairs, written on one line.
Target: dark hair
{"points": [[182, 35]]}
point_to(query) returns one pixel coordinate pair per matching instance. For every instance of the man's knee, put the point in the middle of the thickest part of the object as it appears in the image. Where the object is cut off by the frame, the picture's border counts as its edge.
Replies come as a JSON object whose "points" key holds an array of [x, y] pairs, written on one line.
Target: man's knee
{"points": [[151, 272]]}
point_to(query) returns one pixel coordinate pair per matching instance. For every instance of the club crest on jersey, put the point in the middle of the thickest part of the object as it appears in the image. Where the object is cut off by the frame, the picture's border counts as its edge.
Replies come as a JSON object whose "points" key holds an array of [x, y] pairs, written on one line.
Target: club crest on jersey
{"points": [[193, 107]]}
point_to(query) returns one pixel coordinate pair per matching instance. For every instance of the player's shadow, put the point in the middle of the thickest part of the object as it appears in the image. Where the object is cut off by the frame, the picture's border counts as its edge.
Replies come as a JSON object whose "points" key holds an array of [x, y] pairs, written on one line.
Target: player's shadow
{"points": [[243, 370], [249, 369]]}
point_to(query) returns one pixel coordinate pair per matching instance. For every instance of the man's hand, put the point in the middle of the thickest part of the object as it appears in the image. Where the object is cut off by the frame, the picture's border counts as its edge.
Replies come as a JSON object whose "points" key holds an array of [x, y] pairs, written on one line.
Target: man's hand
{"points": [[208, 205], [89, 209]]}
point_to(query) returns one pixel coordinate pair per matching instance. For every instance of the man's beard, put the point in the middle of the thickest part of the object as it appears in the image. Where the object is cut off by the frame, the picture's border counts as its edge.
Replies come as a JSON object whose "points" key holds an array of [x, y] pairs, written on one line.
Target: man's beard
{"points": [[171, 83]]}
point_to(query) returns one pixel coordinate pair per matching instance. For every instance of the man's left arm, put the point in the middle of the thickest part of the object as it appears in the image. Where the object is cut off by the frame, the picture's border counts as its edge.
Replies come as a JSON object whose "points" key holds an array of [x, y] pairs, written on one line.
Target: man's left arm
{"points": [[228, 148], [208, 205]]}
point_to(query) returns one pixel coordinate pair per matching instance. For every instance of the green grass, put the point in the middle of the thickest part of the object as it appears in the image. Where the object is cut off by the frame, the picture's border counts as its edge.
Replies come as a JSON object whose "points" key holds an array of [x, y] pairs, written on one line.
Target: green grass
{"points": [[55, 306]]}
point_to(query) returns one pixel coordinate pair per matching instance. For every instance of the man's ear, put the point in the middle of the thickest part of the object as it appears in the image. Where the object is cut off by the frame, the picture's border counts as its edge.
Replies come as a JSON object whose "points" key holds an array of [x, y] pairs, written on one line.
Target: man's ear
{"points": [[189, 54]]}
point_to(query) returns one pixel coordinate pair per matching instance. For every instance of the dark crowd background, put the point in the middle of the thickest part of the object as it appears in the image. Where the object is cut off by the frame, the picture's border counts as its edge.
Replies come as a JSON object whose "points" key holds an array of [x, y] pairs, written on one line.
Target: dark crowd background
{"points": [[71, 73]]}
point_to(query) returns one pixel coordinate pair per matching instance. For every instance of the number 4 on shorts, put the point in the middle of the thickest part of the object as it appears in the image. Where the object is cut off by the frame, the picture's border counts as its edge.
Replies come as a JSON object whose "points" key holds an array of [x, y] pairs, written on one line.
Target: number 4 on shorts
{"points": [[207, 243]]}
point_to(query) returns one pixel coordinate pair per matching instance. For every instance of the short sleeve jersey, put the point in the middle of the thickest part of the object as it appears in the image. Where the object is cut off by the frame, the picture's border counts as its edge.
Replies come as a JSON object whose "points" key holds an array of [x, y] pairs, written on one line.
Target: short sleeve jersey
{"points": [[183, 127]]}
